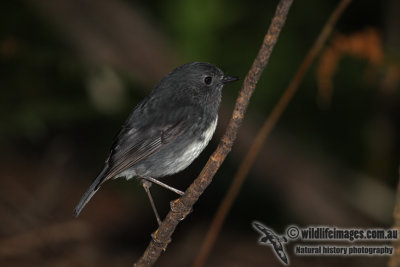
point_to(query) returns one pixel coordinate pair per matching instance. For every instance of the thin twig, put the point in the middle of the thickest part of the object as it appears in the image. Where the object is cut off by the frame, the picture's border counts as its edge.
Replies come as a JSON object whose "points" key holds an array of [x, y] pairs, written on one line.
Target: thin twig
{"points": [[182, 206], [395, 258], [262, 135]]}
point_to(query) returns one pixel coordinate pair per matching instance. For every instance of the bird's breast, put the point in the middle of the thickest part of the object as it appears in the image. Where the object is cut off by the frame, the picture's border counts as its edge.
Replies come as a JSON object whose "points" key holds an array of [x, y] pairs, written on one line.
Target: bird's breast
{"points": [[193, 150], [208, 134]]}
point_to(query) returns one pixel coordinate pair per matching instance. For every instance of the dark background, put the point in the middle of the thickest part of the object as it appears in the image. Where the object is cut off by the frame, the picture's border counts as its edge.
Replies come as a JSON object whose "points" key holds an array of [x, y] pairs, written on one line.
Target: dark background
{"points": [[71, 71]]}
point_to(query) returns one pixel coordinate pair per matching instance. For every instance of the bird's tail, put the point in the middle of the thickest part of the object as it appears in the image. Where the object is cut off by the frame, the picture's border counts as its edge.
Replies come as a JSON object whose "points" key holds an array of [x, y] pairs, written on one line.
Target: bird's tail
{"points": [[91, 191]]}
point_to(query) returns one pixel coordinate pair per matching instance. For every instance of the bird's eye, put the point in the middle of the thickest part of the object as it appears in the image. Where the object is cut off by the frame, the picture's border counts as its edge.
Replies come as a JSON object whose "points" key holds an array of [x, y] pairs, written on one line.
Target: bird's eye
{"points": [[207, 80]]}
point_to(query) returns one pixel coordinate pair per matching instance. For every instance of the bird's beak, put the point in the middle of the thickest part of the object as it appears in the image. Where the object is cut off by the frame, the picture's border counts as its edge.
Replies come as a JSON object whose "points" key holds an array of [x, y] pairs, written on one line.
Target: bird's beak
{"points": [[229, 79]]}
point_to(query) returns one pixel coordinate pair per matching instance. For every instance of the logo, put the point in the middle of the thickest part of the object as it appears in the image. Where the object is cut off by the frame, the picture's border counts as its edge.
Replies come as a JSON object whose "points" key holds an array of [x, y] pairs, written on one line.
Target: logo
{"points": [[329, 235], [269, 237]]}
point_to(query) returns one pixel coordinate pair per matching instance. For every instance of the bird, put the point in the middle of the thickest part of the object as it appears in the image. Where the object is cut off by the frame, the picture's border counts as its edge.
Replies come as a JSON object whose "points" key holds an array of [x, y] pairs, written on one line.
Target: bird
{"points": [[166, 131], [270, 237]]}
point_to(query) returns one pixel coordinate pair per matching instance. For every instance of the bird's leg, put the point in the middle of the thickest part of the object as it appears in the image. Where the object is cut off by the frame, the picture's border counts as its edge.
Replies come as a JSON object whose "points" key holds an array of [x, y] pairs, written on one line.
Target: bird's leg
{"points": [[146, 185], [155, 181]]}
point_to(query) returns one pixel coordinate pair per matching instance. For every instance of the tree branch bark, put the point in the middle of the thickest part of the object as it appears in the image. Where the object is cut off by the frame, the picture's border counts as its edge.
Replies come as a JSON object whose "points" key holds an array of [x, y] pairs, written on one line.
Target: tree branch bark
{"points": [[181, 207]]}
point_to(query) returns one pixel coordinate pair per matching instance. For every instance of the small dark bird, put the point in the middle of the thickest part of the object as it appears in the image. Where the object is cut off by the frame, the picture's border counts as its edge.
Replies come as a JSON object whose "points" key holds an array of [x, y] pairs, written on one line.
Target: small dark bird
{"points": [[167, 130], [270, 237]]}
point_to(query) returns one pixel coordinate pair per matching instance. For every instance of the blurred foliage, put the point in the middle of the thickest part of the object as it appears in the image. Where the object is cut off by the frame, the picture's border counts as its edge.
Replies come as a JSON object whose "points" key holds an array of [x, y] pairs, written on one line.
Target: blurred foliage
{"points": [[196, 25], [41, 78], [46, 84]]}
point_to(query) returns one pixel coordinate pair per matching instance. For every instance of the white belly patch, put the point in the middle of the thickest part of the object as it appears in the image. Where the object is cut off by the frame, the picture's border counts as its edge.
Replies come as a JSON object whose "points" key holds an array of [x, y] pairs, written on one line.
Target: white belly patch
{"points": [[194, 149]]}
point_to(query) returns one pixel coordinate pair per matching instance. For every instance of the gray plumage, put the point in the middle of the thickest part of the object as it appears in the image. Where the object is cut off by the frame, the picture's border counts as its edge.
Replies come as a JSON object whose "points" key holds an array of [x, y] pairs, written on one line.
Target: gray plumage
{"points": [[168, 129]]}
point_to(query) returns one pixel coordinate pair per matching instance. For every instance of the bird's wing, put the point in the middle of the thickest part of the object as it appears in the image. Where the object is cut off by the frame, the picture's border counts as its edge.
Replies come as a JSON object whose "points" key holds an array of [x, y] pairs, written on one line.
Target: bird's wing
{"points": [[134, 144], [144, 133]]}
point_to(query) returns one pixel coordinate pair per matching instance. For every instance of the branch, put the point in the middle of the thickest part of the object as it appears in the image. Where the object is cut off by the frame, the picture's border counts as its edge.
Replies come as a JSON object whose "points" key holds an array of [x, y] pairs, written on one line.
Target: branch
{"points": [[262, 135], [182, 206]]}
